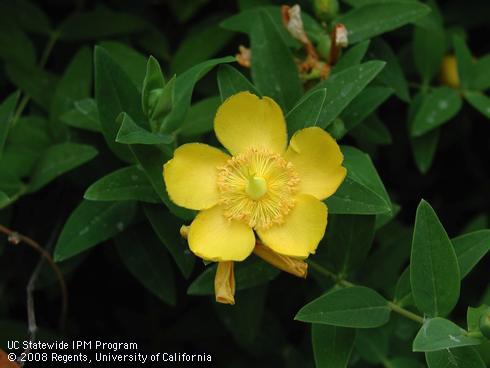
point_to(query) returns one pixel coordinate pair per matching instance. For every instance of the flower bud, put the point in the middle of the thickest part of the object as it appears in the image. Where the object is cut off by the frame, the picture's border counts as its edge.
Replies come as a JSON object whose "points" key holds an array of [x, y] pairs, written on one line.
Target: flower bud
{"points": [[224, 283], [485, 324], [449, 71], [326, 9]]}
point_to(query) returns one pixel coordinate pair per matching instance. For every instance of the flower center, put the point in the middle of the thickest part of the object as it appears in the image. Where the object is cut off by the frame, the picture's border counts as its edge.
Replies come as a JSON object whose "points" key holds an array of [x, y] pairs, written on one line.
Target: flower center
{"points": [[257, 187]]}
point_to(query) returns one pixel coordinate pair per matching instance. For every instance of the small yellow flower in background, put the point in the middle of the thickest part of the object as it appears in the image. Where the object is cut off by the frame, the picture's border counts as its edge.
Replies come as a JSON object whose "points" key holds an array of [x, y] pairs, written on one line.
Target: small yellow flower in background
{"points": [[264, 186], [449, 71]]}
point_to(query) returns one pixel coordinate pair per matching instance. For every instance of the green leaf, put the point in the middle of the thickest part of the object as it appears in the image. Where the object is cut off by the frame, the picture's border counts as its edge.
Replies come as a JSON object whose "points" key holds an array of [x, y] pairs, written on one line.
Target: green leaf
{"points": [[249, 273], [90, 224], [200, 117], [184, 85], [203, 41], [372, 345], [355, 307], [57, 160], [479, 101], [403, 289], [114, 93], [151, 160], [274, 71], [392, 74], [131, 133], [167, 230], [365, 103], [362, 191], [94, 25], [439, 333], [15, 46], [74, 85], [6, 113], [27, 14], [424, 149], [246, 21], [348, 241], [464, 61], [481, 80], [343, 87], [437, 107], [332, 346], [4, 199], [429, 46], [307, 111], [130, 60], [148, 262], [38, 84], [466, 357], [353, 56], [470, 249], [374, 19], [404, 363], [434, 270], [231, 81], [372, 130], [126, 184], [84, 115]]}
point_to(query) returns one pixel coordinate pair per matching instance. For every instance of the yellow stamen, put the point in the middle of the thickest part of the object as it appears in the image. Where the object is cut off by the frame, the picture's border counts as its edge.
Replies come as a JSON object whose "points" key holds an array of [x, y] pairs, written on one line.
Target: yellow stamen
{"points": [[224, 283], [257, 187]]}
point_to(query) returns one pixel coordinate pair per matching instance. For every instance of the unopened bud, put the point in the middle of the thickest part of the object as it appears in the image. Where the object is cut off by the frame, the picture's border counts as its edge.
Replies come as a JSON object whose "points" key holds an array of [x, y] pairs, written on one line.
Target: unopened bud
{"points": [[326, 9], [291, 17], [485, 324]]}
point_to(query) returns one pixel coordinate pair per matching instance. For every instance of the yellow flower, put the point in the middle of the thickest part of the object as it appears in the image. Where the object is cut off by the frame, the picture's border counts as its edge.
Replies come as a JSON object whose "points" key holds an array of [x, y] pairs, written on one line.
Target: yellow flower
{"points": [[263, 186]]}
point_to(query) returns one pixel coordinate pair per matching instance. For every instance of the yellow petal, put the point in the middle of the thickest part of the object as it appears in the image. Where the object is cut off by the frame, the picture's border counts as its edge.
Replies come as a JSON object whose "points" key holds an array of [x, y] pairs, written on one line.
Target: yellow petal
{"points": [[318, 159], [284, 263], [302, 230], [224, 283], [245, 120], [191, 175], [215, 238]]}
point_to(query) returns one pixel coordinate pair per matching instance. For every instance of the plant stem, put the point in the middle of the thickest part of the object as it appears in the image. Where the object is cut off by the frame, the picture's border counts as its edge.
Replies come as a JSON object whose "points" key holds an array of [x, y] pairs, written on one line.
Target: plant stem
{"points": [[344, 283], [42, 63]]}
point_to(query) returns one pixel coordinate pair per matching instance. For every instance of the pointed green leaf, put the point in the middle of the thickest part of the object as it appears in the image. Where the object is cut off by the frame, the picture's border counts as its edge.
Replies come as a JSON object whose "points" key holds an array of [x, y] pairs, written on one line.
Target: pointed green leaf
{"points": [[439, 333], [470, 249], [481, 80], [437, 107], [167, 230], [114, 93], [362, 191], [353, 56], [200, 117], [231, 81], [373, 19], [355, 307], [464, 62], [126, 184], [434, 270], [465, 357], [332, 346], [479, 101], [92, 223], [148, 262], [83, 115], [57, 160], [307, 111], [131, 133], [184, 86], [274, 71], [343, 87], [153, 82]]}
